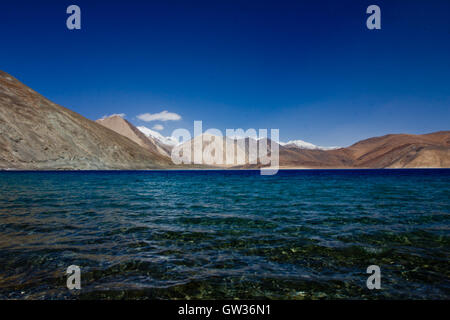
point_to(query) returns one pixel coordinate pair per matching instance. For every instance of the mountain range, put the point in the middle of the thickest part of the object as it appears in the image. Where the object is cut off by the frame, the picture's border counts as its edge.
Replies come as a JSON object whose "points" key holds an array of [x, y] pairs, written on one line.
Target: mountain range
{"points": [[37, 134], [171, 141]]}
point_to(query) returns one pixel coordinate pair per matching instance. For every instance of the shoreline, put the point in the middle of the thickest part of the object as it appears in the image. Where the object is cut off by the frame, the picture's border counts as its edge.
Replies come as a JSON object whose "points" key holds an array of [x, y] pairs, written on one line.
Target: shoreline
{"points": [[213, 169]]}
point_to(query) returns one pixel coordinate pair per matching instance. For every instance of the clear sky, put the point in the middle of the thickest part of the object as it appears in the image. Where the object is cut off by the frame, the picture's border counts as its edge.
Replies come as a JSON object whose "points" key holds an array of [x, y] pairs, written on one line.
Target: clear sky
{"points": [[310, 68]]}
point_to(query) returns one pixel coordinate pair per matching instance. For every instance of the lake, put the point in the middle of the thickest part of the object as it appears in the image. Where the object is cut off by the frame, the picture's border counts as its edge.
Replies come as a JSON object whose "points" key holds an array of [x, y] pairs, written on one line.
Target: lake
{"points": [[300, 234]]}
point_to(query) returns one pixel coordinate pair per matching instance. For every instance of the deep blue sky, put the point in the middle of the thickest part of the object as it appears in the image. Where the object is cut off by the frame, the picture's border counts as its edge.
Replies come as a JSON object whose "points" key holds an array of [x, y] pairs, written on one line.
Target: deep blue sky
{"points": [[310, 68]]}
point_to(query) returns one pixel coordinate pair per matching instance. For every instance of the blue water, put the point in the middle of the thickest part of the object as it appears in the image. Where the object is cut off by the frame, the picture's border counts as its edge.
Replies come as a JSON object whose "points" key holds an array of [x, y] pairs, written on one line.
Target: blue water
{"points": [[307, 234]]}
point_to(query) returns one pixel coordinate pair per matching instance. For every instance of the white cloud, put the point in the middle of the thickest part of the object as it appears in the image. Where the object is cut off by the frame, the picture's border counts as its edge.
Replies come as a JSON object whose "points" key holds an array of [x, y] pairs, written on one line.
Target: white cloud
{"points": [[158, 127], [161, 116], [122, 115]]}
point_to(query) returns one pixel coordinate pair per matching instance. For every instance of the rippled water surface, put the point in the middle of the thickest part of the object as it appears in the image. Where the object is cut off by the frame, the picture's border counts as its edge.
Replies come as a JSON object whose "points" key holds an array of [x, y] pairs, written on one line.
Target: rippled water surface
{"points": [[225, 234]]}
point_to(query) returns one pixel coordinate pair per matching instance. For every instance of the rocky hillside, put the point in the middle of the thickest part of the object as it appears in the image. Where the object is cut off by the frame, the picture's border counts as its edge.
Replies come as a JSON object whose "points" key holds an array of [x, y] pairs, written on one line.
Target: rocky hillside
{"points": [[36, 133]]}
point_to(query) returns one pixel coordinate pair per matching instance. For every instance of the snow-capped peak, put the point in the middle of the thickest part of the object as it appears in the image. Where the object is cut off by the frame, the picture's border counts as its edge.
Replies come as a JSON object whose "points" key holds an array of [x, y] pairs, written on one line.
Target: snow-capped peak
{"points": [[305, 145], [299, 144], [170, 141]]}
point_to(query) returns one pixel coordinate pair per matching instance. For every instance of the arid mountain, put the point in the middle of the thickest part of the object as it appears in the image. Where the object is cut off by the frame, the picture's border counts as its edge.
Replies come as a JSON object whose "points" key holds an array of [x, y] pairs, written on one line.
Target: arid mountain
{"points": [[391, 151], [123, 127], [36, 133], [403, 151], [303, 158]]}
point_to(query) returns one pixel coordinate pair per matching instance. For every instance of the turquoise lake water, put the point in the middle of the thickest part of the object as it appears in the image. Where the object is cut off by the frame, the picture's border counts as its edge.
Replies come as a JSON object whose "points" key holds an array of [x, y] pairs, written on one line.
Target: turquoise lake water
{"points": [[307, 234]]}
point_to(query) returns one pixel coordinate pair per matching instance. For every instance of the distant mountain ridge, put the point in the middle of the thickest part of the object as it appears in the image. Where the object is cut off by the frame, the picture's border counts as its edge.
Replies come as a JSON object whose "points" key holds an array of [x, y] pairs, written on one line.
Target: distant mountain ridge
{"points": [[304, 145], [390, 151], [171, 141]]}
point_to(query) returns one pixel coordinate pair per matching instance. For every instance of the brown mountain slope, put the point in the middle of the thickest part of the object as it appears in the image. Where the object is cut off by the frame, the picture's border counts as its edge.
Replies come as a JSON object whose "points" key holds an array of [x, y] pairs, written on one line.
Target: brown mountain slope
{"points": [[294, 157], [35, 133], [317, 159], [390, 151], [125, 128], [403, 151]]}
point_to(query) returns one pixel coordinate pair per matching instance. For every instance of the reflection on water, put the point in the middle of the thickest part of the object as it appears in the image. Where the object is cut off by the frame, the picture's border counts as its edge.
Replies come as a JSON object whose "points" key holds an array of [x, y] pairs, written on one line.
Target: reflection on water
{"points": [[225, 234]]}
